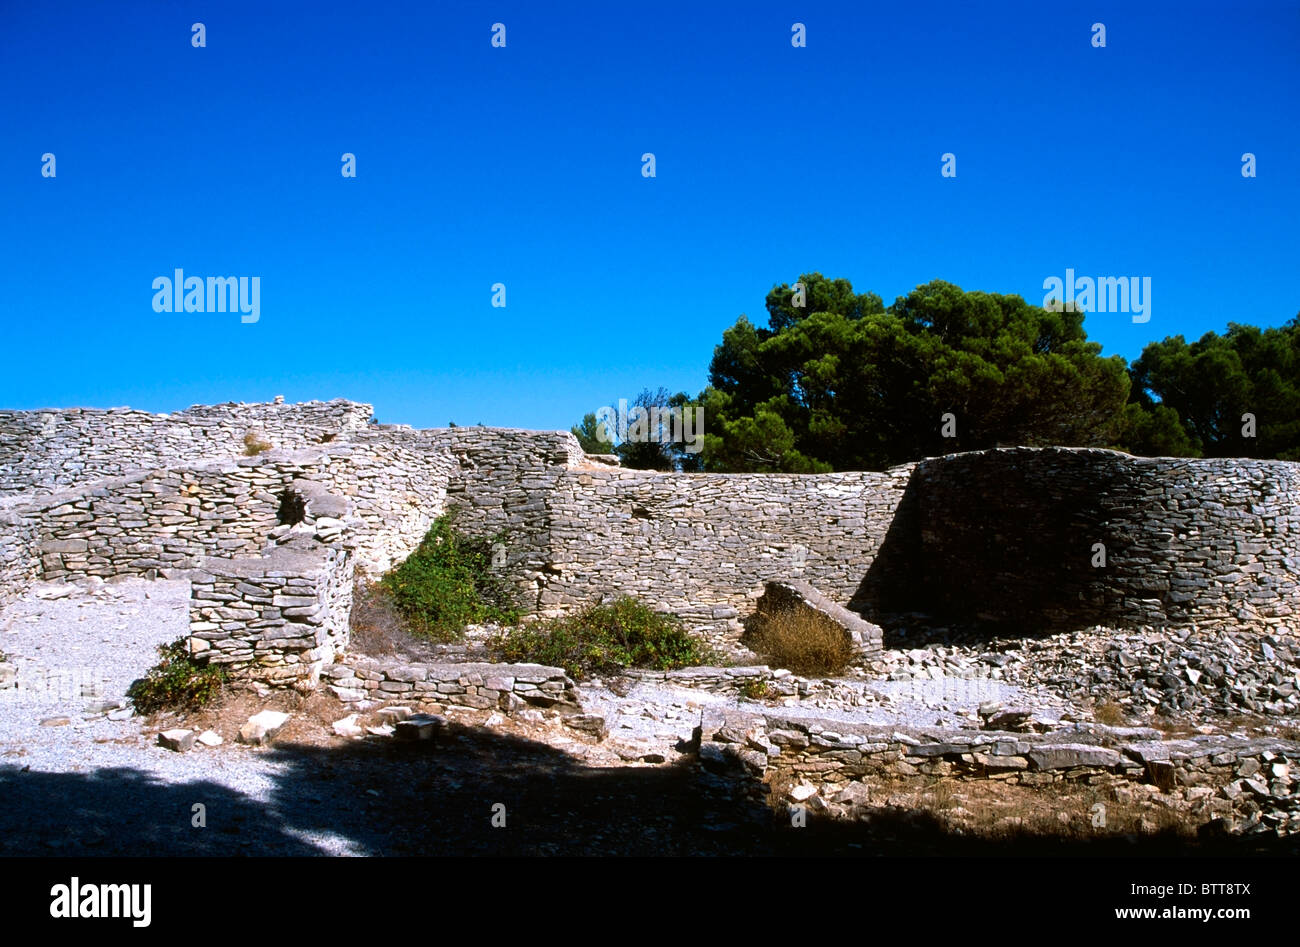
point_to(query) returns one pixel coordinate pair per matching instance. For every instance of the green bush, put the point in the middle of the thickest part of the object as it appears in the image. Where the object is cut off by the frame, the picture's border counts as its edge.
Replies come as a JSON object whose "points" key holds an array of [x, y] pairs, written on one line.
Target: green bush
{"points": [[448, 583], [625, 633], [177, 682]]}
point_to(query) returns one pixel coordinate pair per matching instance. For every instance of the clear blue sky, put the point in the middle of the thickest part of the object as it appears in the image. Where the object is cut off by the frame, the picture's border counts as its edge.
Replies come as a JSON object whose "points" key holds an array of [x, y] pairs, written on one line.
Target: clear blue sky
{"points": [[522, 166]]}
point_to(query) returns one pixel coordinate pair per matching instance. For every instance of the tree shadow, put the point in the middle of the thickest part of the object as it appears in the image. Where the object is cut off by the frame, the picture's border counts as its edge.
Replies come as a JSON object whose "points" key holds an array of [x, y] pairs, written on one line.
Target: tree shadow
{"points": [[440, 798]]}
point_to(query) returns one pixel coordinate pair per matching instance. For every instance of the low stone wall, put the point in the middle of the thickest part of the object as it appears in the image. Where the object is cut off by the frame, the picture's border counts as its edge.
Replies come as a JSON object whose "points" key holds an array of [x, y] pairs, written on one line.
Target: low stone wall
{"points": [[479, 685], [279, 618], [757, 681], [1234, 776]]}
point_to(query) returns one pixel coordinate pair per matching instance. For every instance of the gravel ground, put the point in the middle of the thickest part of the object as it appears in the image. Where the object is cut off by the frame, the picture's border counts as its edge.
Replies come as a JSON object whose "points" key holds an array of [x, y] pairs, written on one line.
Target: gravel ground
{"points": [[78, 779], [83, 778], [84, 646]]}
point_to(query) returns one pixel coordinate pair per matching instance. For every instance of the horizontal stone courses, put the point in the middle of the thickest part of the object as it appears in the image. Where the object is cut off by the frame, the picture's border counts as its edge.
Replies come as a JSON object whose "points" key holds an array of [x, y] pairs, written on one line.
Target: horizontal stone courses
{"points": [[1227, 769], [480, 685], [1194, 542]]}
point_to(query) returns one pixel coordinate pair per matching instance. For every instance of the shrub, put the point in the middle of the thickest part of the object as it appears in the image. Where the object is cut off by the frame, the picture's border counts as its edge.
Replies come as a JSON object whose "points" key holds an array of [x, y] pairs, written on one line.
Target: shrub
{"points": [[800, 641], [754, 689], [624, 633], [448, 583], [177, 682]]}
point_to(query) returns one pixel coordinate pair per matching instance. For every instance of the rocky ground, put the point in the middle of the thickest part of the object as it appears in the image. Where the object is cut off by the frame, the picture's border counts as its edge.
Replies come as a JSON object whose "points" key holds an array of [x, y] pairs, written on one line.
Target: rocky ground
{"points": [[82, 774], [1203, 674]]}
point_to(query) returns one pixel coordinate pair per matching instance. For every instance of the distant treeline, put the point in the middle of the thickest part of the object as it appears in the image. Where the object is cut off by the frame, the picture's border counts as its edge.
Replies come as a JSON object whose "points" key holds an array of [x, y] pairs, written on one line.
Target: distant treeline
{"points": [[843, 382]]}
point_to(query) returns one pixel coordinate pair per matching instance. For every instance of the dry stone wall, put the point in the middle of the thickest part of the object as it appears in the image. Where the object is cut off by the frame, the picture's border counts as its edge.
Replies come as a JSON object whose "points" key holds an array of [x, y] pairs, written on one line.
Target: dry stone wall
{"points": [[279, 618], [1247, 781], [168, 519], [366, 501], [42, 451], [477, 685], [1006, 535], [703, 545], [20, 556], [160, 519], [1012, 536]]}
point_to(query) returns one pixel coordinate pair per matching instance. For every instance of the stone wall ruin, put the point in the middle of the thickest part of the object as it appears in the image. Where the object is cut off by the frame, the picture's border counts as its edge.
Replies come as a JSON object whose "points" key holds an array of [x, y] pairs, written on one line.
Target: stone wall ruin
{"points": [[1005, 536]]}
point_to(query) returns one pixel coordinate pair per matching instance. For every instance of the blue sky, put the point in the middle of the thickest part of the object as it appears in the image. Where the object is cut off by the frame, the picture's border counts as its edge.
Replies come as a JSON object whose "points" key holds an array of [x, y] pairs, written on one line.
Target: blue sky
{"points": [[478, 165]]}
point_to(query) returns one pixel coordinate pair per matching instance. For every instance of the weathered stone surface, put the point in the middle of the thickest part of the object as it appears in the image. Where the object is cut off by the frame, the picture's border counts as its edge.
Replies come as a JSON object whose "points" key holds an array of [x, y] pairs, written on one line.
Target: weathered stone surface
{"points": [[263, 727], [1067, 755], [1000, 764], [348, 727], [591, 724], [1010, 721], [419, 727], [854, 794], [178, 740]]}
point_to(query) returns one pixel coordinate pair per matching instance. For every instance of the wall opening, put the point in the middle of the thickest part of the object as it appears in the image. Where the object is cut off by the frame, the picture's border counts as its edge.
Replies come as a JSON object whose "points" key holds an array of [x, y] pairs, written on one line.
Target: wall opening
{"points": [[293, 508]]}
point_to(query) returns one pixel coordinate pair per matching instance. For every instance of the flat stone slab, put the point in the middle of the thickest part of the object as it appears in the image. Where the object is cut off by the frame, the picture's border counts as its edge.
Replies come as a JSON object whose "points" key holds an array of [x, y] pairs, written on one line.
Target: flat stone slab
{"points": [[452, 671], [419, 727], [281, 559], [263, 727], [1070, 755]]}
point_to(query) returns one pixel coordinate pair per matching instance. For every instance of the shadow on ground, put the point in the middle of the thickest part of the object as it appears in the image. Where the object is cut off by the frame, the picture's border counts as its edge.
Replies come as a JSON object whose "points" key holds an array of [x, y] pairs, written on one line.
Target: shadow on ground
{"points": [[387, 798]]}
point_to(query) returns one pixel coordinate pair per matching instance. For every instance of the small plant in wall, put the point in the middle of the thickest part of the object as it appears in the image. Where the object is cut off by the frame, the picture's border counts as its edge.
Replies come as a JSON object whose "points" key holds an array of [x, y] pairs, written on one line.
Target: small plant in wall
{"points": [[255, 443], [754, 689]]}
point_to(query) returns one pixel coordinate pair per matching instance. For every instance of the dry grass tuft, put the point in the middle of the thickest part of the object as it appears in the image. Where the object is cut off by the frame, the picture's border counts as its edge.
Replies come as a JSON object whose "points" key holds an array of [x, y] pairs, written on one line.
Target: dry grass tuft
{"points": [[1109, 713], [378, 627], [800, 641], [254, 444]]}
